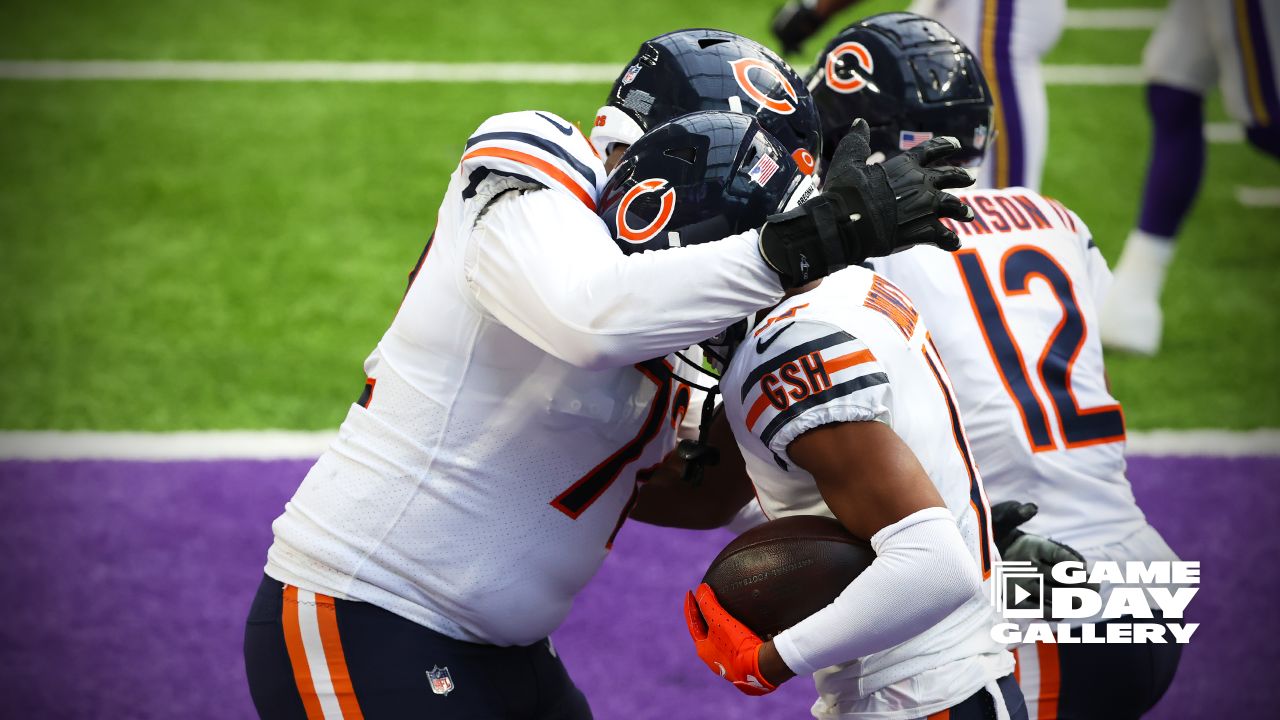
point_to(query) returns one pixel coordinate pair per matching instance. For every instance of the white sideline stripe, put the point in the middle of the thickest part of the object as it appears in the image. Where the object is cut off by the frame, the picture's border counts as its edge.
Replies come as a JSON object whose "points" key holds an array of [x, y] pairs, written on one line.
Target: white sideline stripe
{"points": [[1259, 197], [1114, 19], [314, 71], [308, 445], [1224, 132], [1211, 443], [201, 445], [308, 71]]}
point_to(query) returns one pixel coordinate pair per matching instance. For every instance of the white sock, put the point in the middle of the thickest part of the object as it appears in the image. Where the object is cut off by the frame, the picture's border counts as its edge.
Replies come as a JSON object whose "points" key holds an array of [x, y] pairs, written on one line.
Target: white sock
{"points": [[1144, 262]]}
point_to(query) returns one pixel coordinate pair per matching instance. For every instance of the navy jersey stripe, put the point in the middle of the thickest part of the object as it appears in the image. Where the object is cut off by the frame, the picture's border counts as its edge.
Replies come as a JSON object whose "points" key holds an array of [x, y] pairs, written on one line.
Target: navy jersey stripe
{"points": [[542, 144], [791, 355], [962, 445], [479, 174], [848, 387]]}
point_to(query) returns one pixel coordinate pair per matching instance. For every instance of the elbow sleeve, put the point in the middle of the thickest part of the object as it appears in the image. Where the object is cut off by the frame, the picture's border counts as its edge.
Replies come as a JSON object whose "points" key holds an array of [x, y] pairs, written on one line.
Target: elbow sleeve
{"points": [[922, 573]]}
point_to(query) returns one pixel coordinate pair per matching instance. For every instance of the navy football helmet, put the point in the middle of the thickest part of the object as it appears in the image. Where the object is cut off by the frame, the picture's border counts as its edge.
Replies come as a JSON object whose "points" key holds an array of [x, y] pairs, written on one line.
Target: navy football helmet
{"points": [[696, 179], [910, 79], [691, 70], [701, 177]]}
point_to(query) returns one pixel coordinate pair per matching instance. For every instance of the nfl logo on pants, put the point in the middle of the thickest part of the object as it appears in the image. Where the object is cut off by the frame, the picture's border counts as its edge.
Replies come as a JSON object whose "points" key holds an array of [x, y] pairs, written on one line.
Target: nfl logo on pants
{"points": [[441, 680]]}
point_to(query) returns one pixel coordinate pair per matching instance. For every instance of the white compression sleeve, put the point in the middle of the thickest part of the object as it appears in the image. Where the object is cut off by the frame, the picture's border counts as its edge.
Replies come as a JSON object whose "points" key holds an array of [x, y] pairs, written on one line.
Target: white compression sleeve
{"points": [[921, 574], [550, 271]]}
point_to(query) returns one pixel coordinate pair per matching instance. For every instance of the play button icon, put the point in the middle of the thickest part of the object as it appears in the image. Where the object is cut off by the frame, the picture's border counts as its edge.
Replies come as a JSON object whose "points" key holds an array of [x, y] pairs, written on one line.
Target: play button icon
{"points": [[1019, 594]]}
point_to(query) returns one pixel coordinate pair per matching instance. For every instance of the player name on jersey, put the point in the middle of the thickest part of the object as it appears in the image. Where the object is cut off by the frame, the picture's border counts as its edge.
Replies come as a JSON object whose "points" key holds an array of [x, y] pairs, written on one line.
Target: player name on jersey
{"points": [[1008, 213]]}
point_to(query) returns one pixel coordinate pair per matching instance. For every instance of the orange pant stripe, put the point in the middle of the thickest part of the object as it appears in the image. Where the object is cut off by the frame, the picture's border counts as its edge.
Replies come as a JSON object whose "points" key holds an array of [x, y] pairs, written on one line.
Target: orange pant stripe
{"points": [[327, 619], [298, 655], [1050, 680]]}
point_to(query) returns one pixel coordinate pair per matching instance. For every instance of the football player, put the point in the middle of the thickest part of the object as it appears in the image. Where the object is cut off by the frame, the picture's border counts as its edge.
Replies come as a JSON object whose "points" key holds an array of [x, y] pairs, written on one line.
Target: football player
{"points": [[1012, 36], [1199, 44], [430, 551], [1014, 315], [841, 407]]}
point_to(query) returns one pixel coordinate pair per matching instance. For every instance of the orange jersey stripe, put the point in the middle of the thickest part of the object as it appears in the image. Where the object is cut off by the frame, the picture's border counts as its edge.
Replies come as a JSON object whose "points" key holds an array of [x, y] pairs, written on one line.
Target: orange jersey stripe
{"points": [[587, 140], [327, 619], [849, 360], [1050, 680], [569, 183], [761, 404], [784, 316], [940, 715], [1017, 667], [298, 655]]}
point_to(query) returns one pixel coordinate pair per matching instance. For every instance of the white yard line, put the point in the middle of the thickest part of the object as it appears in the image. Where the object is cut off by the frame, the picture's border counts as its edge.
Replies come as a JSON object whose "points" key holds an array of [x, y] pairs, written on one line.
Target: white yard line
{"points": [[1114, 19], [303, 445], [1224, 132], [308, 71], [1093, 75], [391, 72], [1258, 197]]}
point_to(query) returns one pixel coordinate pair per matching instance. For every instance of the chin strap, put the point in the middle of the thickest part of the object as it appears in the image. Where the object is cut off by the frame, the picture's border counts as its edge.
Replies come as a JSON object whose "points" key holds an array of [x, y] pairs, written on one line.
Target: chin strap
{"points": [[698, 454]]}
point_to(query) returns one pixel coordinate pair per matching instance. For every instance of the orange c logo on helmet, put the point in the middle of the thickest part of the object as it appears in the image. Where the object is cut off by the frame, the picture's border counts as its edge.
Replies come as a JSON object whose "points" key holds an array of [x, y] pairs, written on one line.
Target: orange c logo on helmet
{"points": [[741, 73], [855, 83], [646, 233]]}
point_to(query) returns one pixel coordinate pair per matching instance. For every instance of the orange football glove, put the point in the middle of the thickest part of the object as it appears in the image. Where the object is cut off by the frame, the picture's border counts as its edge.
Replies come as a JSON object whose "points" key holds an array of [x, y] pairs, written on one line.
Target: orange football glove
{"points": [[727, 646]]}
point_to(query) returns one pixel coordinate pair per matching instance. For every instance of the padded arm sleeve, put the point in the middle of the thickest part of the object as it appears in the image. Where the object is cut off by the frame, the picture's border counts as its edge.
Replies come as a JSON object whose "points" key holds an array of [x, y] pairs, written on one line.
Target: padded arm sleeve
{"points": [[922, 573], [547, 268]]}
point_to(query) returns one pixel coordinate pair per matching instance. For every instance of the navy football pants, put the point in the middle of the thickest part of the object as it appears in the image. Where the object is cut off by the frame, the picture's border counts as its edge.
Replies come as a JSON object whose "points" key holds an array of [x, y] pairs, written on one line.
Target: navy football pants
{"points": [[981, 706], [312, 657], [1095, 681]]}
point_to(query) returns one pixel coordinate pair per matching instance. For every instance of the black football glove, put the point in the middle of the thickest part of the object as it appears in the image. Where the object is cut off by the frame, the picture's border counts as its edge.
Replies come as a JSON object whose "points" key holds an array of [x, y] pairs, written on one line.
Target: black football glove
{"points": [[796, 22], [866, 210], [1040, 551]]}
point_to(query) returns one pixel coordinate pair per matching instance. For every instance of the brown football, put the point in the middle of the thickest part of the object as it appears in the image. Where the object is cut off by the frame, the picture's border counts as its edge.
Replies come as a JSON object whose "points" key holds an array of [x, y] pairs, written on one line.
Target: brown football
{"points": [[779, 573]]}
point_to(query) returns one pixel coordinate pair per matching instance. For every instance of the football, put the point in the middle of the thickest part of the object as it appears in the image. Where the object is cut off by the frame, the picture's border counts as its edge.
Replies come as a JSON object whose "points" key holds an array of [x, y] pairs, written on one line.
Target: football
{"points": [[777, 574]]}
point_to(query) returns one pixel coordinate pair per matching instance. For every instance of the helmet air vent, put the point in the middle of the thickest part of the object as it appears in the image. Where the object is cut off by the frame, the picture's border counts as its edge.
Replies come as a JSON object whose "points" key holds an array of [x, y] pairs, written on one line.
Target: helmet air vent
{"points": [[686, 154]]}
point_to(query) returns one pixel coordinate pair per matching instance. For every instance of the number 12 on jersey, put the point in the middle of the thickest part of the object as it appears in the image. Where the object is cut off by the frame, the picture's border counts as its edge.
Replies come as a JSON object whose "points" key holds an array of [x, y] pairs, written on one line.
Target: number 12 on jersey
{"points": [[1018, 267]]}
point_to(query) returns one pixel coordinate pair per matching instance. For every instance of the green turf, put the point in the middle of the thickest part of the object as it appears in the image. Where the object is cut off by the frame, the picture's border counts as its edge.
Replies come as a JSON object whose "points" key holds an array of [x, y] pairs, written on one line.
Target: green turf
{"points": [[1110, 47], [356, 30], [1215, 367], [502, 30], [191, 256], [184, 255]]}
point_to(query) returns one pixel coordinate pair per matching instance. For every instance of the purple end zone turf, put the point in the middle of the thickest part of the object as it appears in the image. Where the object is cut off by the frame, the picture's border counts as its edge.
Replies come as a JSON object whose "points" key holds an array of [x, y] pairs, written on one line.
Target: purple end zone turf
{"points": [[126, 584]]}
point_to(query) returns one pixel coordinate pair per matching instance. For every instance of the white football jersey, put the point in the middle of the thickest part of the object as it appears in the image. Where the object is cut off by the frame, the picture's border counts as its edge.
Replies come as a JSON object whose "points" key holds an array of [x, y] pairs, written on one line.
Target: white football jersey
{"points": [[478, 484], [854, 350], [1014, 316]]}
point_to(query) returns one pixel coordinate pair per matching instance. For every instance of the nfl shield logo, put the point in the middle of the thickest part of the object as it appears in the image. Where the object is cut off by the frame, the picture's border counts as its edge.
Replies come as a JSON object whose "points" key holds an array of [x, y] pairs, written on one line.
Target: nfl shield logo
{"points": [[980, 137], [631, 74], [441, 680]]}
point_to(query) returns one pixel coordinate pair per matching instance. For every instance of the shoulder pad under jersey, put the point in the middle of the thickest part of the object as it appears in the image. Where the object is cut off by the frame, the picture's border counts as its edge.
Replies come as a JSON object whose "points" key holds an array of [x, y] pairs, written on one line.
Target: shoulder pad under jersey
{"points": [[535, 147], [800, 374]]}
